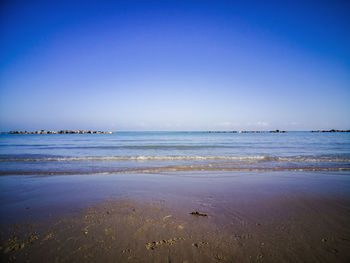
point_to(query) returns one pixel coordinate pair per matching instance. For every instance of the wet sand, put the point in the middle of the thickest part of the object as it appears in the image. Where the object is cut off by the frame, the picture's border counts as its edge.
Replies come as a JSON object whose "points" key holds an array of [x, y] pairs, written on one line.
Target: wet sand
{"points": [[250, 217]]}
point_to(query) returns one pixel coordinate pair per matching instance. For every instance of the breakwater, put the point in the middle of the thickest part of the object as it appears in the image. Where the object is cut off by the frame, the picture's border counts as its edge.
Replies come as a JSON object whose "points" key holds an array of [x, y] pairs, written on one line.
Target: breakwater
{"points": [[61, 132], [274, 131]]}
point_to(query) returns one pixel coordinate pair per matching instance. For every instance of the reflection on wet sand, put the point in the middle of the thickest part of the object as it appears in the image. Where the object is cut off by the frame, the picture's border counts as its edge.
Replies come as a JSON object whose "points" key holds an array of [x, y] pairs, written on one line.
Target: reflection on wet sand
{"points": [[128, 231]]}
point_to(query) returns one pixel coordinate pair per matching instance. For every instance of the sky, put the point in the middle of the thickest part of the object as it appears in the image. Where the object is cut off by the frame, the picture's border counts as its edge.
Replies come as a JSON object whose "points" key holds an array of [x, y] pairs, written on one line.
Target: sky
{"points": [[174, 65]]}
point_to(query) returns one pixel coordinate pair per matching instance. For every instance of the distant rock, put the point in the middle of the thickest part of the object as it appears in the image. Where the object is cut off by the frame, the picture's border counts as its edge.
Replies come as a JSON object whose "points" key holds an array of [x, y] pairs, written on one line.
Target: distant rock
{"points": [[61, 132], [277, 131], [332, 130]]}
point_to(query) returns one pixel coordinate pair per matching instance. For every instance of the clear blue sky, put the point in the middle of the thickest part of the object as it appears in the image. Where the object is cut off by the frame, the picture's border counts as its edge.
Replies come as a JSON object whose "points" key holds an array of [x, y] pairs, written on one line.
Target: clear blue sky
{"points": [[174, 65]]}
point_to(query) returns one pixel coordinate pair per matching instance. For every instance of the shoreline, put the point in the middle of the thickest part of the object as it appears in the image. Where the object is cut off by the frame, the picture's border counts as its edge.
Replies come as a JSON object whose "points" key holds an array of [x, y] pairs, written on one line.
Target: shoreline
{"points": [[174, 169]]}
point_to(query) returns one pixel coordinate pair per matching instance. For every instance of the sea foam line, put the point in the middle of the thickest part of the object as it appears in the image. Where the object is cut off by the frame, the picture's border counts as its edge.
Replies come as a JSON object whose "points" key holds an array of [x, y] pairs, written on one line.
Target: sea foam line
{"points": [[178, 158], [133, 158]]}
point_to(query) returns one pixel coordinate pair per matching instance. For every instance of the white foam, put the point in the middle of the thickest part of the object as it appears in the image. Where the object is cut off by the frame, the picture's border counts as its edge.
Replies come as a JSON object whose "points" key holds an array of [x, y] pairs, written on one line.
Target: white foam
{"points": [[178, 158]]}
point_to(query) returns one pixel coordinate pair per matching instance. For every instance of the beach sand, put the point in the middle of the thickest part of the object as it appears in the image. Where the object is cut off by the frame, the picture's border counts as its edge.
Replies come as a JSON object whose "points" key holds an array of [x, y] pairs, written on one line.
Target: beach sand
{"points": [[285, 217]]}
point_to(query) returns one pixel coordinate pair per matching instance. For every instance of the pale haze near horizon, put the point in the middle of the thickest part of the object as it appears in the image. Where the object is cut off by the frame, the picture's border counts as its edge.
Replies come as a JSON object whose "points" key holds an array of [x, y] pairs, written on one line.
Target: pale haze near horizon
{"points": [[173, 65]]}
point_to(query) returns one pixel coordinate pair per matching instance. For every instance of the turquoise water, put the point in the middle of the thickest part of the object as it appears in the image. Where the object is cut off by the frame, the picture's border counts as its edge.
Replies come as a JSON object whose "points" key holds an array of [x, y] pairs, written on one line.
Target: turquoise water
{"points": [[172, 151]]}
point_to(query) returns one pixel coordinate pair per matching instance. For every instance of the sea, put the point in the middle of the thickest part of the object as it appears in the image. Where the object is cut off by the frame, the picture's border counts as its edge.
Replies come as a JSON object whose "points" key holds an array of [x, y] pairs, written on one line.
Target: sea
{"points": [[171, 152]]}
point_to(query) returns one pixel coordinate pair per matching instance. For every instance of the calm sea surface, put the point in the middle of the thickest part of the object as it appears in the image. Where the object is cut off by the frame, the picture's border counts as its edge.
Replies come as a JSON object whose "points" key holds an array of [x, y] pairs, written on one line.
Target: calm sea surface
{"points": [[172, 151]]}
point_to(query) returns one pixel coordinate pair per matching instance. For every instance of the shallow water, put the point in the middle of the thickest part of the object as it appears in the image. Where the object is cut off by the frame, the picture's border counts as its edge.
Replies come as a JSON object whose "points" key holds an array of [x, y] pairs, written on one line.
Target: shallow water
{"points": [[172, 151]]}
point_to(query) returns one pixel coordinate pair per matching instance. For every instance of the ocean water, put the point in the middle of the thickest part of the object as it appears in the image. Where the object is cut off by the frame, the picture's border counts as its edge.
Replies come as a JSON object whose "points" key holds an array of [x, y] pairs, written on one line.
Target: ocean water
{"points": [[154, 152]]}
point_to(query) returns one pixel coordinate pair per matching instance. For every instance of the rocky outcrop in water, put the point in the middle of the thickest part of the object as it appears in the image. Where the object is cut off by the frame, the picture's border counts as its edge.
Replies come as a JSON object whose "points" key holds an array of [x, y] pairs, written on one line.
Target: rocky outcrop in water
{"points": [[333, 130], [275, 131], [61, 132]]}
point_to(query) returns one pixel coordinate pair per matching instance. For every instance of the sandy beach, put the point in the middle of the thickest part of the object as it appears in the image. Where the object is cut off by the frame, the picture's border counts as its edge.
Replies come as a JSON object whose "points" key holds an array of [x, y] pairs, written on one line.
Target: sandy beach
{"points": [[243, 217]]}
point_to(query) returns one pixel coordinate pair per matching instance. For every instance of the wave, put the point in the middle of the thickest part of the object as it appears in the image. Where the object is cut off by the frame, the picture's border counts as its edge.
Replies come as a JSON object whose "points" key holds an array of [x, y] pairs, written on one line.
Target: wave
{"points": [[128, 147], [260, 158], [312, 159], [132, 158]]}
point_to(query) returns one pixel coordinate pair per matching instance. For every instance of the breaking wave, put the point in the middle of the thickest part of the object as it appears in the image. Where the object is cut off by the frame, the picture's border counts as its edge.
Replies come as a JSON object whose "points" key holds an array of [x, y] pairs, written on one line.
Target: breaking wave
{"points": [[176, 158]]}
